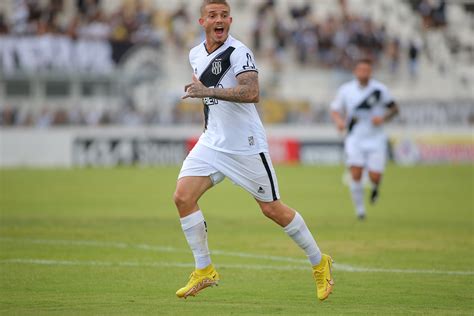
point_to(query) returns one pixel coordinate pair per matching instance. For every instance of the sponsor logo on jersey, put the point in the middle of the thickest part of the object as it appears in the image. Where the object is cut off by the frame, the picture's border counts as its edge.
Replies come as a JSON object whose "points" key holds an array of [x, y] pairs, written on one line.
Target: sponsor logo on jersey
{"points": [[210, 101]]}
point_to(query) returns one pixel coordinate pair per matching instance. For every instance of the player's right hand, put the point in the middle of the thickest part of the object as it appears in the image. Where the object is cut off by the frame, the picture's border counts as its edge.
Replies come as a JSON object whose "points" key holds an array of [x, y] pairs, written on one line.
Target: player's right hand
{"points": [[377, 120], [195, 89], [340, 126]]}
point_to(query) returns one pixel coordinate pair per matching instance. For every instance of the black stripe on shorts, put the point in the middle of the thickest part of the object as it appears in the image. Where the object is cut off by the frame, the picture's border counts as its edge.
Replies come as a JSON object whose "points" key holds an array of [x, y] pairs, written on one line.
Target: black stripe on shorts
{"points": [[267, 167]]}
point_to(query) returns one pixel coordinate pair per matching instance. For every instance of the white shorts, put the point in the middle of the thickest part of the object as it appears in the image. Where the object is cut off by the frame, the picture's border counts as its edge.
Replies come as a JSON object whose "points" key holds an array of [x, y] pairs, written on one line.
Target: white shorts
{"points": [[371, 157], [254, 173]]}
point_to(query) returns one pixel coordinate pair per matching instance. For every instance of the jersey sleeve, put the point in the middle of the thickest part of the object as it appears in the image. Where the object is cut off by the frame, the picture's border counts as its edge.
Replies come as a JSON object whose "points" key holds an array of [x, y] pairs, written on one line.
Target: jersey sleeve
{"points": [[191, 59], [387, 98], [338, 103], [242, 60]]}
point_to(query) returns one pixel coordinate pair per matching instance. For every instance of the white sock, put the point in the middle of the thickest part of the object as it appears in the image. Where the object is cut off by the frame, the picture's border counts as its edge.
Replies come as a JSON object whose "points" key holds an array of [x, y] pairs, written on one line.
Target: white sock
{"points": [[195, 230], [357, 192], [299, 232]]}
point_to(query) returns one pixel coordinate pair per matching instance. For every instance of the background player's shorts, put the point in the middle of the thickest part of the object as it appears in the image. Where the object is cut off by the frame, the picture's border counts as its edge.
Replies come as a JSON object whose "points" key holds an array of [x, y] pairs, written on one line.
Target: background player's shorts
{"points": [[254, 173], [373, 158]]}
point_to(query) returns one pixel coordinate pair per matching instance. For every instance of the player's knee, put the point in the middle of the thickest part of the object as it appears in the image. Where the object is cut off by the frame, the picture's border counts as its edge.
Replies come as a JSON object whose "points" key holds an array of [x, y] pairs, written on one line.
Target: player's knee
{"points": [[270, 210], [356, 176], [375, 178], [181, 199]]}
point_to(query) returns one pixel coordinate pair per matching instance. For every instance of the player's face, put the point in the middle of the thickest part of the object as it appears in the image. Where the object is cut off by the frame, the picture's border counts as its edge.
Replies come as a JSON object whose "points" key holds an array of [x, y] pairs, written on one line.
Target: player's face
{"points": [[363, 72], [216, 22]]}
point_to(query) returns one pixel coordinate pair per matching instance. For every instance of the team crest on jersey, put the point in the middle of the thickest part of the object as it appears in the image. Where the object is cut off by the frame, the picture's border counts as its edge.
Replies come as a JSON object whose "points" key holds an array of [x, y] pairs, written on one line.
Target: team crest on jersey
{"points": [[372, 100], [217, 67]]}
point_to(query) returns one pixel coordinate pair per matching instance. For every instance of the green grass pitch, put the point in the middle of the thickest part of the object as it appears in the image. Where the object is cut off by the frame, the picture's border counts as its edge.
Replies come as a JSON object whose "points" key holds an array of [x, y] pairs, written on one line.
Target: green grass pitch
{"points": [[109, 242]]}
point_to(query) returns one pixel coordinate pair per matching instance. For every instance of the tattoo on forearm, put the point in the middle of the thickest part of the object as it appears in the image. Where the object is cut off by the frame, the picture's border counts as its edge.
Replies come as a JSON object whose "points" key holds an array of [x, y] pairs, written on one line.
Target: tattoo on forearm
{"points": [[246, 91], [393, 111]]}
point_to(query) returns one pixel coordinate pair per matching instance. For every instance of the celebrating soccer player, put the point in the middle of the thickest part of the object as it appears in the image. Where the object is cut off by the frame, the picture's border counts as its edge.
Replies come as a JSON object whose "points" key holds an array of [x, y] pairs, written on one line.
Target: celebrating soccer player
{"points": [[360, 109], [232, 145]]}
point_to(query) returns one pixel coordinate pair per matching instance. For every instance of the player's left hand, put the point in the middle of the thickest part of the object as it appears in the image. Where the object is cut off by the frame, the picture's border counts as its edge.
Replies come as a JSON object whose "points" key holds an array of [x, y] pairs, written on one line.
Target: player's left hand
{"points": [[378, 120], [195, 89]]}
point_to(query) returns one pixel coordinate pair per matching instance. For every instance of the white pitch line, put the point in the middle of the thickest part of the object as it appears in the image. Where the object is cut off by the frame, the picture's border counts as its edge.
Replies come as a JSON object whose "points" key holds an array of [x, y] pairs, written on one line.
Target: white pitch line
{"points": [[303, 264], [121, 245], [156, 264]]}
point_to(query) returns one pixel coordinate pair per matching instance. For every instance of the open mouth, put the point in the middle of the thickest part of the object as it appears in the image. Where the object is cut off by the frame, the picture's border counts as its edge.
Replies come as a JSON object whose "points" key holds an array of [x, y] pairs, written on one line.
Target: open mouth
{"points": [[219, 30]]}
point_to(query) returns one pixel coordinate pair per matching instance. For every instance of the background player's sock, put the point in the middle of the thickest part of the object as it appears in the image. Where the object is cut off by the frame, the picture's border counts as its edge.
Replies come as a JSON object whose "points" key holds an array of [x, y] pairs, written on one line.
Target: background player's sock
{"points": [[357, 192], [300, 233], [195, 230], [374, 193]]}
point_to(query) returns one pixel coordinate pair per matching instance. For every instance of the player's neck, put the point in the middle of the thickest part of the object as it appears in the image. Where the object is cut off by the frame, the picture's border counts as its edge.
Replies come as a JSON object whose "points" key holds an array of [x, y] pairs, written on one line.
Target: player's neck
{"points": [[364, 83], [211, 45]]}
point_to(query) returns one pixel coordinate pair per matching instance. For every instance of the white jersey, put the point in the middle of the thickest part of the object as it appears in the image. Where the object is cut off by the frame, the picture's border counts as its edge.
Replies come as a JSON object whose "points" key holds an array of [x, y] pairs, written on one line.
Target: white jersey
{"points": [[229, 126], [361, 104]]}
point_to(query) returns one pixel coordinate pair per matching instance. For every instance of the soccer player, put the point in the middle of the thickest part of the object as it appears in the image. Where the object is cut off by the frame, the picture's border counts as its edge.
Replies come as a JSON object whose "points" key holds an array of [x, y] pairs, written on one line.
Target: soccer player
{"points": [[360, 109], [232, 145]]}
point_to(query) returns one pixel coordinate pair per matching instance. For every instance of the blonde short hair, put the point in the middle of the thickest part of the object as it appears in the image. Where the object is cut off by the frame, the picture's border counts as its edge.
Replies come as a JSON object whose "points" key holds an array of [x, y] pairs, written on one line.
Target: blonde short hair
{"points": [[207, 2]]}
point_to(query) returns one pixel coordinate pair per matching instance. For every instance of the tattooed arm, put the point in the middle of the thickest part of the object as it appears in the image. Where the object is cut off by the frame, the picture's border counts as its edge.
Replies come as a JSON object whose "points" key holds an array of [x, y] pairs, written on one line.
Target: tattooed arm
{"points": [[391, 113], [247, 90]]}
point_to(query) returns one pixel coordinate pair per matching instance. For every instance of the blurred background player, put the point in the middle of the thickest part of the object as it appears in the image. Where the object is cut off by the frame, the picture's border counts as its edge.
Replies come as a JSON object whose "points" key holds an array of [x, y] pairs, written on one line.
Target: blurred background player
{"points": [[360, 109], [232, 145]]}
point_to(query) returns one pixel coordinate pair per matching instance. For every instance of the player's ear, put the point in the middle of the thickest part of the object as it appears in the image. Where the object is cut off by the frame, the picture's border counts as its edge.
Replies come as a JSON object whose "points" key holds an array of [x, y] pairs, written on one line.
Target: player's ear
{"points": [[201, 21]]}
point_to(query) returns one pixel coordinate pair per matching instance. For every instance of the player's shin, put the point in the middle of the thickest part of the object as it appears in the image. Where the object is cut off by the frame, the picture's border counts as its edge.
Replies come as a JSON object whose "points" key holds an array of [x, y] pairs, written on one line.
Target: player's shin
{"points": [[195, 230], [299, 232], [357, 193]]}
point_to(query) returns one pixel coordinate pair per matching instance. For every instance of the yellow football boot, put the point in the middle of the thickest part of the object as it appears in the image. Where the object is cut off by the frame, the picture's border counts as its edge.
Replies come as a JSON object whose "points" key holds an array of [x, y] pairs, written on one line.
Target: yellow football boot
{"points": [[322, 276], [199, 280]]}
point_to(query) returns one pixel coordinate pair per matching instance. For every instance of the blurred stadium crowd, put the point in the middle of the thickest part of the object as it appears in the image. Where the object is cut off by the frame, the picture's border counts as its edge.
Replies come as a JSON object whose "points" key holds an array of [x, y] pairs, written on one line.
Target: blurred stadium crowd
{"points": [[133, 22], [80, 37], [332, 42]]}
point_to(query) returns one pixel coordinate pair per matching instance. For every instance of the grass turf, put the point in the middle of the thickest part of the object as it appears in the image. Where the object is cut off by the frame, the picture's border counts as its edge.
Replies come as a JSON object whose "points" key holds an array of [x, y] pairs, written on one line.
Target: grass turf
{"points": [[108, 241]]}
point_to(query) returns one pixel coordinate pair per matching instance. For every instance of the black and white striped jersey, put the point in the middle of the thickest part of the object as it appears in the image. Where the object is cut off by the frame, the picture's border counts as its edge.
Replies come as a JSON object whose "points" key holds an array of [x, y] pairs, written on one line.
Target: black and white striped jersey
{"points": [[229, 126], [361, 104]]}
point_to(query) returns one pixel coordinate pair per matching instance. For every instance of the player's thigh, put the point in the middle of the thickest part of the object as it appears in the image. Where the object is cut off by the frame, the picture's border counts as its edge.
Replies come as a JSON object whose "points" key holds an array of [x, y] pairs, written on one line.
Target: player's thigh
{"points": [[198, 163], [197, 175], [356, 172], [355, 155], [254, 173], [376, 160], [190, 188]]}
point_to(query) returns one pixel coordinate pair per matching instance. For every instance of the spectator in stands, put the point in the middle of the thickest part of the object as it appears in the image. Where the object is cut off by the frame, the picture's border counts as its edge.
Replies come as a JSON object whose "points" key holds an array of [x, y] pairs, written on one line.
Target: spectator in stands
{"points": [[439, 14], [96, 27], [260, 18], [413, 55], [305, 34], [425, 10], [123, 24], [45, 118], [180, 27], [3, 26], [7, 115], [393, 52]]}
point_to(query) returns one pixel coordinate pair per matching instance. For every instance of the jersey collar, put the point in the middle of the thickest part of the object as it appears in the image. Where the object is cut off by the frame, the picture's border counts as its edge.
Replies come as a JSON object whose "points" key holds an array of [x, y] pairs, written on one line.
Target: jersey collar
{"points": [[215, 50]]}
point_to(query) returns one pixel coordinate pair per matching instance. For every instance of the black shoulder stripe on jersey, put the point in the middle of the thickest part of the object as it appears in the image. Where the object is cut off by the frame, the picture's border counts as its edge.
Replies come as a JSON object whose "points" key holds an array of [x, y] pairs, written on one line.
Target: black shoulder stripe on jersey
{"points": [[210, 78], [351, 124], [213, 74], [370, 100]]}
